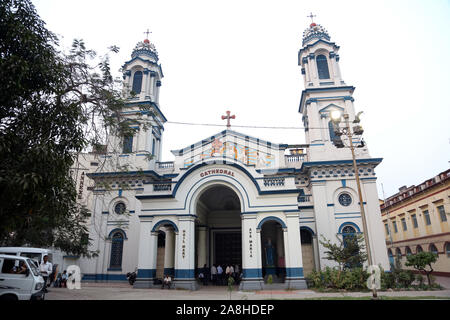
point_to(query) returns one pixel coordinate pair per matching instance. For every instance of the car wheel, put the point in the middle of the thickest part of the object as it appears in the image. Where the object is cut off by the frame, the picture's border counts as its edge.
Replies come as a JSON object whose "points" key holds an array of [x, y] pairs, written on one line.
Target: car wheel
{"points": [[9, 297]]}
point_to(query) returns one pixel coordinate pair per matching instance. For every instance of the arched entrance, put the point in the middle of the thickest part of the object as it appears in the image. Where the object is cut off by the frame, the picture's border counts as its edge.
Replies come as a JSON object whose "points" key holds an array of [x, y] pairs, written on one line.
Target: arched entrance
{"points": [[306, 237], [218, 230], [165, 249], [273, 251]]}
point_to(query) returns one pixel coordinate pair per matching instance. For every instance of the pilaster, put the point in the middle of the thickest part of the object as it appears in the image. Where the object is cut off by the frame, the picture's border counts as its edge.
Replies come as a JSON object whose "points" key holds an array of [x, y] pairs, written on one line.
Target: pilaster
{"points": [[251, 254]]}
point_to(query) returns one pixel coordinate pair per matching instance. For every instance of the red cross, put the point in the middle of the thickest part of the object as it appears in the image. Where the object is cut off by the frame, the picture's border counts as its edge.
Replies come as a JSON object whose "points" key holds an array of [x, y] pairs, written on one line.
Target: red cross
{"points": [[228, 117]]}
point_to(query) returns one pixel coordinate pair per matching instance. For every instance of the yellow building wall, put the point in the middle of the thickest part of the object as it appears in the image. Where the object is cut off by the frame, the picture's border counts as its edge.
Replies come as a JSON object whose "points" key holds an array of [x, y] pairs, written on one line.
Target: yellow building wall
{"points": [[437, 232]]}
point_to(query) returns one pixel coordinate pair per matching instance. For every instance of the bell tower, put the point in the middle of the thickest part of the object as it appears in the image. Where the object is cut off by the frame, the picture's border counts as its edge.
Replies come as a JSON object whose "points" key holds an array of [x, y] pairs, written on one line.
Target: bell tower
{"points": [[325, 91], [141, 84]]}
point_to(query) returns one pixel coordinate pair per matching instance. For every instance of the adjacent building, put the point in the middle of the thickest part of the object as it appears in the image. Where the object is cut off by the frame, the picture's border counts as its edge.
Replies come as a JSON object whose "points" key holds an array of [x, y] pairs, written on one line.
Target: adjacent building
{"points": [[417, 219]]}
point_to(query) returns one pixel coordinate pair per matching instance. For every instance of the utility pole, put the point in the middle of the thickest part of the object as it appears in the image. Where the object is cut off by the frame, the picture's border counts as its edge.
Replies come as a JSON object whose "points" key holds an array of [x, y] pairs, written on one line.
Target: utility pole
{"points": [[357, 130]]}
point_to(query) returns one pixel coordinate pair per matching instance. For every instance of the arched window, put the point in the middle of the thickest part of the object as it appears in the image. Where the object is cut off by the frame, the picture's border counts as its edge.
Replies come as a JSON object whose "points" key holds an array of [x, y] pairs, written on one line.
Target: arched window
{"points": [[305, 236], [116, 250], [127, 144], [161, 239], [419, 249], [322, 67], [408, 251], [433, 249], [137, 82], [398, 253], [348, 232], [391, 258]]}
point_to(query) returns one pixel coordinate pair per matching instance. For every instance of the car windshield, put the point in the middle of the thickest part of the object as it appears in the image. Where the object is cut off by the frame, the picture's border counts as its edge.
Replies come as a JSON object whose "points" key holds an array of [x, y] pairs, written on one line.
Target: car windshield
{"points": [[32, 255], [33, 267]]}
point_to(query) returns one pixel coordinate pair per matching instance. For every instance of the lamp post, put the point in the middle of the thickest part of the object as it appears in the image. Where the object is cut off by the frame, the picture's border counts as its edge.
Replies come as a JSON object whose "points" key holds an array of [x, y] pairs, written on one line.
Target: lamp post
{"points": [[357, 131]]}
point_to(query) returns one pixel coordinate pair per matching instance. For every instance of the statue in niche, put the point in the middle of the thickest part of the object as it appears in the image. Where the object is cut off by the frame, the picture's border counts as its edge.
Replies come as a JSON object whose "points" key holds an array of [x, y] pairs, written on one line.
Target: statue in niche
{"points": [[270, 253]]}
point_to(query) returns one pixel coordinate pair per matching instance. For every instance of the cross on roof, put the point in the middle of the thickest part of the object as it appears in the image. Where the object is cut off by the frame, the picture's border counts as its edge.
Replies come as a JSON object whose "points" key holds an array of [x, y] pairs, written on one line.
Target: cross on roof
{"points": [[228, 117], [311, 16], [147, 32]]}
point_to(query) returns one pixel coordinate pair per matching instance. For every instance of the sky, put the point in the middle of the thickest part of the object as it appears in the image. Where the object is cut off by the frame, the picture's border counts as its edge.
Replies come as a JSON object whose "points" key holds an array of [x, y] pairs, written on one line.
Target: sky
{"points": [[242, 56]]}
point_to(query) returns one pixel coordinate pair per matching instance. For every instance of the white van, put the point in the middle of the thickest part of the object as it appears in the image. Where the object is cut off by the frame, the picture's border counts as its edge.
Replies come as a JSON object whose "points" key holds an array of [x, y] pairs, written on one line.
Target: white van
{"points": [[20, 279], [35, 254]]}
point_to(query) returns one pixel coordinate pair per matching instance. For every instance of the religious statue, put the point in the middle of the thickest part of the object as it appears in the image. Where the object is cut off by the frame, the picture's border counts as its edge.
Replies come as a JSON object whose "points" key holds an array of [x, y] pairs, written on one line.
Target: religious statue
{"points": [[270, 253]]}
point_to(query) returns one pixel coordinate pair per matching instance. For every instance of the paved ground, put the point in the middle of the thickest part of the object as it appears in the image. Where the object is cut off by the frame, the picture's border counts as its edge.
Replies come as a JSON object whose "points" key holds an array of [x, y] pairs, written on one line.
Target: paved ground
{"points": [[123, 291]]}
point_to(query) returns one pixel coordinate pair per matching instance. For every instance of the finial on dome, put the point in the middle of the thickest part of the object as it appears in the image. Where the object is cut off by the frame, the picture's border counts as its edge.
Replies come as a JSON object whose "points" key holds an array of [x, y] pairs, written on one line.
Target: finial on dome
{"points": [[312, 21], [315, 31], [145, 48], [146, 38]]}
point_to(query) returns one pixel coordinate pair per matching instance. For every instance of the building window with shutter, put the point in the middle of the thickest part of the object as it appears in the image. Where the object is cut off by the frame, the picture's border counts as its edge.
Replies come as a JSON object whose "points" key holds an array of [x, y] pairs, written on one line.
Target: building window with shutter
{"points": [[442, 213], [116, 250], [137, 82], [426, 214], [322, 67], [127, 144]]}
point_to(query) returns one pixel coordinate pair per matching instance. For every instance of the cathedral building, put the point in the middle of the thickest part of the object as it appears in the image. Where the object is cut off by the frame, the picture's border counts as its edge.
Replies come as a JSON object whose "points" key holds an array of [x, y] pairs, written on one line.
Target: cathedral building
{"points": [[231, 198]]}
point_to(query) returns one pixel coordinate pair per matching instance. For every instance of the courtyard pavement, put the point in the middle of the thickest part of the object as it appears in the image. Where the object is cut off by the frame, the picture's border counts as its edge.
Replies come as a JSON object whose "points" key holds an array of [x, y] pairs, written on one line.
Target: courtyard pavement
{"points": [[123, 291]]}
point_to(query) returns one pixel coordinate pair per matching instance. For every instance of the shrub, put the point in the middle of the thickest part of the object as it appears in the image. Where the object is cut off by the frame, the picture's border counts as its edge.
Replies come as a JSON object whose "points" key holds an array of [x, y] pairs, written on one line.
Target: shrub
{"points": [[333, 278], [405, 278]]}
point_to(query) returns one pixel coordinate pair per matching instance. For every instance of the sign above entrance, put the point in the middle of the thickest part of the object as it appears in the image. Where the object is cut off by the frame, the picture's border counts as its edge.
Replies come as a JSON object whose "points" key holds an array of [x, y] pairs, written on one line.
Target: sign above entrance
{"points": [[244, 154], [217, 171]]}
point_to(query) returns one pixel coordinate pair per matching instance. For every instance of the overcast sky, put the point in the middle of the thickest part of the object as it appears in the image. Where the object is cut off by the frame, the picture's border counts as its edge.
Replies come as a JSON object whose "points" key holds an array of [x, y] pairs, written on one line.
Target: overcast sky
{"points": [[242, 56]]}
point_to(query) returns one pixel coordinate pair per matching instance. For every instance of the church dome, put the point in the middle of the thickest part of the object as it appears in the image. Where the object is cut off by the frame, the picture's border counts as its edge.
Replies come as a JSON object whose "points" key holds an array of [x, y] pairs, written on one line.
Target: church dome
{"points": [[315, 31], [145, 48]]}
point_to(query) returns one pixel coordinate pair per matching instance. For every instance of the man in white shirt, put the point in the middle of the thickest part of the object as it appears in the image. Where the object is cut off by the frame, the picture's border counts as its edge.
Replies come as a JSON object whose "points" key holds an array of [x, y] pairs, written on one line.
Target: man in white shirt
{"points": [[46, 269], [167, 281], [220, 274]]}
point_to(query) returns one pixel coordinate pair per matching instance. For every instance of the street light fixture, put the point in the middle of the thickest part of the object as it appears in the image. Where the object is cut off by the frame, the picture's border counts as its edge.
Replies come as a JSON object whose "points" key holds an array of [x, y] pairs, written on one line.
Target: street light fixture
{"points": [[336, 117]]}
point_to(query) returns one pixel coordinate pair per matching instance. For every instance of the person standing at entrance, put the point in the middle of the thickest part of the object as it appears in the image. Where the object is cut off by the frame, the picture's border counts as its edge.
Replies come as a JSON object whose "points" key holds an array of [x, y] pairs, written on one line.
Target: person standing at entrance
{"points": [[214, 274], [205, 275], [236, 274], [46, 269], [232, 272], [220, 274]]}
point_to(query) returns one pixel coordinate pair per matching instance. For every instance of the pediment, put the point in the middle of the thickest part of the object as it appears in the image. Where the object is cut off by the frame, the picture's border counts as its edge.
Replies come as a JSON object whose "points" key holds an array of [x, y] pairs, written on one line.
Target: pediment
{"points": [[231, 145], [330, 107]]}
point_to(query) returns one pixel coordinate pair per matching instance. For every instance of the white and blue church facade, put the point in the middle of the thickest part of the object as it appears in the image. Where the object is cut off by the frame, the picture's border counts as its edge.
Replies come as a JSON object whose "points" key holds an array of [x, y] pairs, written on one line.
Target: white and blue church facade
{"points": [[231, 198]]}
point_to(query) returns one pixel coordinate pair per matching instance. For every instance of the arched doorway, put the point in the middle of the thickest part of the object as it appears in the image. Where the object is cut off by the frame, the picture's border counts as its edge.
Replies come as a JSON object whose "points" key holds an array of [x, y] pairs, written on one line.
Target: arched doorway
{"points": [[306, 237], [160, 254], [165, 249], [272, 251], [218, 230]]}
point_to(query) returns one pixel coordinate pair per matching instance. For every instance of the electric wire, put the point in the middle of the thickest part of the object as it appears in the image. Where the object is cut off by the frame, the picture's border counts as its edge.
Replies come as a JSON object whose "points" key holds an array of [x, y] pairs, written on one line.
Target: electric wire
{"points": [[242, 126]]}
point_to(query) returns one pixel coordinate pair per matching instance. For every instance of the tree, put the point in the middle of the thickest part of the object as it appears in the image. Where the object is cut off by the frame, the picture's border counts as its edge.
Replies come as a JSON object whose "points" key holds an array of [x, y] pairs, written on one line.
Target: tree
{"points": [[420, 261], [348, 253], [52, 106]]}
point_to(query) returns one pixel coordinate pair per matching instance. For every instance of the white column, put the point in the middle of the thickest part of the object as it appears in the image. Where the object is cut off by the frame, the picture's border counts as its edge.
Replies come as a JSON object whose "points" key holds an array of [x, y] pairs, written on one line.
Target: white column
{"points": [[315, 244], [295, 279], [293, 247], [325, 223], [307, 75], [201, 247], [312, 70], [374, 224], [169, 251], [152, 86], [144, 84], [280, 243], [185, 250], [314, 123], [251, 254], [148, 242]]}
